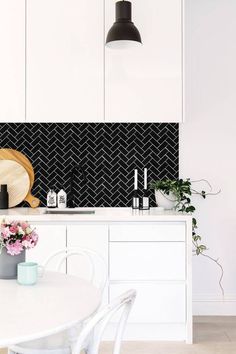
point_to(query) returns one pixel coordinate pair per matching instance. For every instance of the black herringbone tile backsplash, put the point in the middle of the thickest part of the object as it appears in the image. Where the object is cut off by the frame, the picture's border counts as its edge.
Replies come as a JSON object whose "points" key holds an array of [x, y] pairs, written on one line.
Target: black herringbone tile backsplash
{"points": [[108, 152]]}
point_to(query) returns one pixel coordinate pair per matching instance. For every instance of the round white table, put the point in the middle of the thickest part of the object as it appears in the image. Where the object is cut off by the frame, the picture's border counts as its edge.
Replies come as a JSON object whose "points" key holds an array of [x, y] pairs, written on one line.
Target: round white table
{"points": [[56, 303]]}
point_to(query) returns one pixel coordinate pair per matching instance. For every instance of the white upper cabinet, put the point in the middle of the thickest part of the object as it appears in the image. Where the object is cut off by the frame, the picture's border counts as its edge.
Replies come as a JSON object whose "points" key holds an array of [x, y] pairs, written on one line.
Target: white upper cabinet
{"points": [[144, 84], [52, 63], [12, 60], [65, 56]]}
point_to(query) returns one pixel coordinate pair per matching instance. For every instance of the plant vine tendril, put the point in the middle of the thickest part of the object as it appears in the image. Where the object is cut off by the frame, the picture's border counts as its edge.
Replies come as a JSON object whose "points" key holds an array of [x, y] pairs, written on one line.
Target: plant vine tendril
{"points": [[183, 190]]}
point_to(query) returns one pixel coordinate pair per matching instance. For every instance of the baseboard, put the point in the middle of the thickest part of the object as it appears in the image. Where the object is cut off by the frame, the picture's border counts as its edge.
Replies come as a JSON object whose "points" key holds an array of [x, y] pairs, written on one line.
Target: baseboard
{"points": [[214, 305]]}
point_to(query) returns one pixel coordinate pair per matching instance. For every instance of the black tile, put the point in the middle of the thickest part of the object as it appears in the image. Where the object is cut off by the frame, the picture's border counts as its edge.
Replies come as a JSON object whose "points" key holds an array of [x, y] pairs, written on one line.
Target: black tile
{"points": [[108, 152]]}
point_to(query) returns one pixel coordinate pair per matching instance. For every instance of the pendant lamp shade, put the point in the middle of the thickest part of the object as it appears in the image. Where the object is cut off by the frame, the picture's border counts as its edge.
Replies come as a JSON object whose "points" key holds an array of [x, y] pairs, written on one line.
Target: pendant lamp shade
{"points": [[123, 33]]}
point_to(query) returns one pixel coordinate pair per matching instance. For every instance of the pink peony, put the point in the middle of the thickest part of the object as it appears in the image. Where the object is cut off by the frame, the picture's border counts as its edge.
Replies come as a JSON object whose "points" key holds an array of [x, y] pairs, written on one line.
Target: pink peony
{"points": [[13, 229], [34, 237], [14, 223], [24, 225], [27, 244], [30, 240], [5, 232], [17, 236], [14, 248]]}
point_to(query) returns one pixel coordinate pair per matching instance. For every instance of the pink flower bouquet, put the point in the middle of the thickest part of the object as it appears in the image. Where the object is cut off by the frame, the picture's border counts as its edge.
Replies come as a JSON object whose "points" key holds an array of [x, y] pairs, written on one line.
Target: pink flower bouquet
{"points": [[17, 236]]}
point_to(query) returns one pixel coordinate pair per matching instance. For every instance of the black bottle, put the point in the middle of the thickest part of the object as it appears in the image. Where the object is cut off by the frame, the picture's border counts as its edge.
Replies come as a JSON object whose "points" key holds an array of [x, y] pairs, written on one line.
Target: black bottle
{"points": [[145, 201], [135, 201], [145, 198], [4, 197]]}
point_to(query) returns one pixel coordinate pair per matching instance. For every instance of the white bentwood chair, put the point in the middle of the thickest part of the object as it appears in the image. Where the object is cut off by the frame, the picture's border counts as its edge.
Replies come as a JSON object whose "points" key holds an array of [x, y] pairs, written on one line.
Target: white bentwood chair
{"points": [[97, 275], [95, 262], [90, 336]]}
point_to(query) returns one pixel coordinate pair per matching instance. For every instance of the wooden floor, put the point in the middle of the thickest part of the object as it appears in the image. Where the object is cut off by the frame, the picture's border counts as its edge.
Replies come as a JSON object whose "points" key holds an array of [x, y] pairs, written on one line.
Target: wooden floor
{"points": [[212, 335]]}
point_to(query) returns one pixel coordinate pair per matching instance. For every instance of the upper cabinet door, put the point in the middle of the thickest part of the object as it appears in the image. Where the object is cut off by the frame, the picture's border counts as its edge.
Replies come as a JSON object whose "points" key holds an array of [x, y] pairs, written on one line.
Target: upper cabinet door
{"points": [[144, 84], [12, 60], [65, 56]]}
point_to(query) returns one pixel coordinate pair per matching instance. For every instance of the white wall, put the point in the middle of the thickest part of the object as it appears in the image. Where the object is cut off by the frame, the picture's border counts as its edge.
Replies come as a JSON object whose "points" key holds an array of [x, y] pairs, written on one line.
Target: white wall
{"points": [[208, 143]]}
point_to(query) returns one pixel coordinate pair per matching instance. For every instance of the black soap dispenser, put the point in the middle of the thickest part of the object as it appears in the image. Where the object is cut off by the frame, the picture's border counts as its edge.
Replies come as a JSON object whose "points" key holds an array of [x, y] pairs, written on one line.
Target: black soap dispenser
{"points": [[4, 197]]}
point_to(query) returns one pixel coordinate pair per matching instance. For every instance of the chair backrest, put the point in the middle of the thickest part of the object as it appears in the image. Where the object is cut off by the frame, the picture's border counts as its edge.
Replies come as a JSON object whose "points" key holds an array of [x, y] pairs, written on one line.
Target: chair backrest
{"points": [[95, 327], [96, 264]]}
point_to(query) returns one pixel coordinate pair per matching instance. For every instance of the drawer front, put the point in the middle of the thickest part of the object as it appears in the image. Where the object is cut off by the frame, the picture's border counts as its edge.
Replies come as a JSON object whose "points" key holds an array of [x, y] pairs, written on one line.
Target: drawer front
{"points": [[148, 232], [147, 260], [155, 303]]}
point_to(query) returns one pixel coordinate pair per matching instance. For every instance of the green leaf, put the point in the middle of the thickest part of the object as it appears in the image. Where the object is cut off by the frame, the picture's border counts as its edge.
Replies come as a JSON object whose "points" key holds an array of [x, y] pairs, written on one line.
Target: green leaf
{"points": [[197, 238], [182, 189], [194, 221], [190, 209]]}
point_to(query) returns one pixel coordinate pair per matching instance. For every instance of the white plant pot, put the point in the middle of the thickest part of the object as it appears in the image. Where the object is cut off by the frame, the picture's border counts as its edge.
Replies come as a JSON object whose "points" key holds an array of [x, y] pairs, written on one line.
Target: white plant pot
{"points": [[165, 201]]}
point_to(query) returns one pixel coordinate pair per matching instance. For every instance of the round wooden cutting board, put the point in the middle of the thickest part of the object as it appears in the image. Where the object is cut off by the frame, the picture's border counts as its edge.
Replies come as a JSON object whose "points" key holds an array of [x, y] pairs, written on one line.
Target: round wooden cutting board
{"points": [[17, 156], [17, 180]]}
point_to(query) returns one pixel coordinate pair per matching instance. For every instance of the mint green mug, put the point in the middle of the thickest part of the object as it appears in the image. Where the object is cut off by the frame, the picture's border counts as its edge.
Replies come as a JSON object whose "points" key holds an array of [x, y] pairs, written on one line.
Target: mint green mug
{"points": [[28, 273]]}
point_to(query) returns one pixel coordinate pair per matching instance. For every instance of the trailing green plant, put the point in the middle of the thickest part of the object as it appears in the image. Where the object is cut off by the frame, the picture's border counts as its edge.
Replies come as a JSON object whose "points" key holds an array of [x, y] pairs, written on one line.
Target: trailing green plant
{"points": [[183, 192]]}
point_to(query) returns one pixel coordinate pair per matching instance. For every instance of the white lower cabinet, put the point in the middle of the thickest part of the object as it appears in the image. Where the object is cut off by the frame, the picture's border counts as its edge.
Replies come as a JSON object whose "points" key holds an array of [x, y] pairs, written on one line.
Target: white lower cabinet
{"points": [[158, 313], [147, 260], [161, 231], [156, 302], [51, 239], [94, 237], [153, 258]]}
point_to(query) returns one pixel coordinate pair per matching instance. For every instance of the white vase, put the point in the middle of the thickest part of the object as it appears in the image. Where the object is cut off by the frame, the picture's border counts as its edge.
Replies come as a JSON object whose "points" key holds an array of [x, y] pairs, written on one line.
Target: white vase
{"points": [[165, 201]]}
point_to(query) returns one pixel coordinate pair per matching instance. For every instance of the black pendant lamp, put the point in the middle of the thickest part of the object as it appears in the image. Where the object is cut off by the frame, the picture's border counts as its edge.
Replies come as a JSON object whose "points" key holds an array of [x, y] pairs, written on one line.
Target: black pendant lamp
{"points": [[123, 33]]}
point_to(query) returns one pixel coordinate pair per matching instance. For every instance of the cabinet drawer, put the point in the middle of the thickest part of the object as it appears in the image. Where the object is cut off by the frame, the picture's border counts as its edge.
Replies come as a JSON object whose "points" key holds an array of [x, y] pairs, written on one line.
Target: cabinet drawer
{"points": [[147, 260], [148, 232], [155, 302]]}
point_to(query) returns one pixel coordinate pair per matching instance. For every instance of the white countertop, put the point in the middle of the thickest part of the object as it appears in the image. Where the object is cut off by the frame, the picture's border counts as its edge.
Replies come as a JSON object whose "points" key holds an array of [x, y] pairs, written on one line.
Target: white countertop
{"points": [[101, 215]]}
